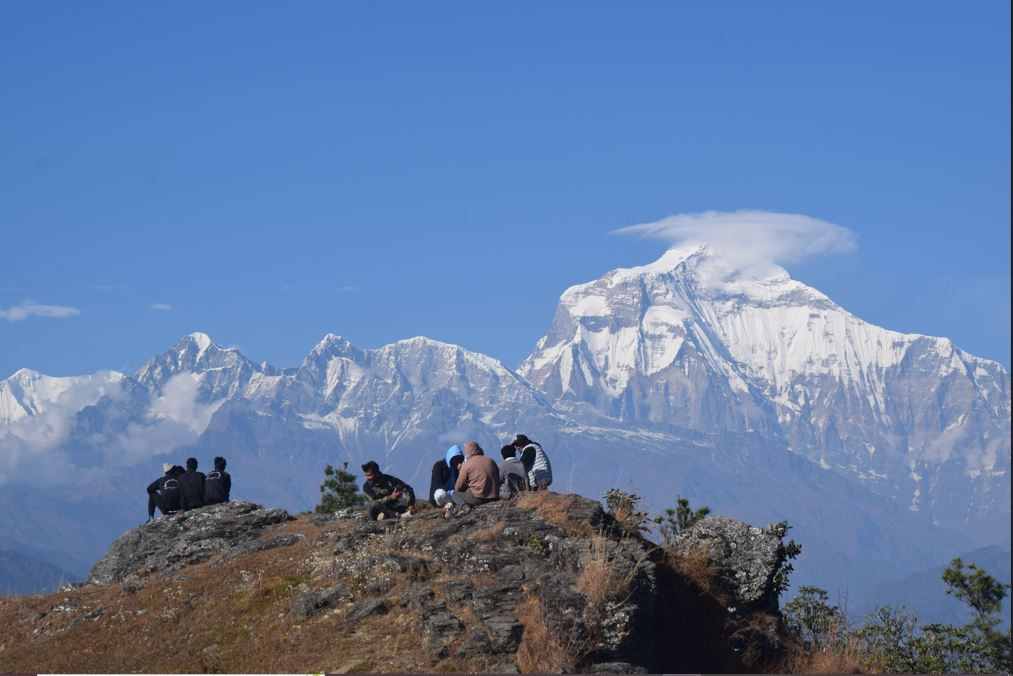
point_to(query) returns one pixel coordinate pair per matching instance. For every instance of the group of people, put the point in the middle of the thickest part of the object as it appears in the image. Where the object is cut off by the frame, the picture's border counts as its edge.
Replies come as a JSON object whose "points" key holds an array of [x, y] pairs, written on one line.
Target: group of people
{"points": [[181, 489], [463, 478]]}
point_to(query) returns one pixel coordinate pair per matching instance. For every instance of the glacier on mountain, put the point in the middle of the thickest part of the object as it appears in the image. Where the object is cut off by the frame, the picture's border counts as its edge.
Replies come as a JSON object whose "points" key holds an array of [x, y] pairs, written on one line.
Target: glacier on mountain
{"points": [[744, 389]]}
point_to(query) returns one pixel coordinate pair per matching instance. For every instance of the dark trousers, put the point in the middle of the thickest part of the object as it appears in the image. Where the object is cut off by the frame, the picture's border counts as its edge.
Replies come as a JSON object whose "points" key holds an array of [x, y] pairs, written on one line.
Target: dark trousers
{"points": [[389, 511], [467, 499]]}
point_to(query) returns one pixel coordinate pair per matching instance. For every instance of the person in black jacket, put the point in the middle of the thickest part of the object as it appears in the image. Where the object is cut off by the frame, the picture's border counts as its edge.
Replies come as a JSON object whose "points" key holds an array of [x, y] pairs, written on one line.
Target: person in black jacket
{"points": [[193, 486], [164, 492], [441, 487], [217, 484], [388, 496]]}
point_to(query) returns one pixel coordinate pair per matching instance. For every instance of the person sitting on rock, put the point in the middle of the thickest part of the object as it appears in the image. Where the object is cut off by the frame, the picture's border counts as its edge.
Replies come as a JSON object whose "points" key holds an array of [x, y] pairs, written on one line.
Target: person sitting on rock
{"points": [[477, 483], [193, 486], [536, 462], [388, 496], [513, 477], [445, 471], [164, 492], [217, 484]]}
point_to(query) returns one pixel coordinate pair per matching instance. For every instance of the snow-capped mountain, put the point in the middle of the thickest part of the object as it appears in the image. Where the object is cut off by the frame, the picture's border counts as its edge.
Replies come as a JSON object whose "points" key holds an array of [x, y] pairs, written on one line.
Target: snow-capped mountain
{"points": [[747, 391], [694, 342]]}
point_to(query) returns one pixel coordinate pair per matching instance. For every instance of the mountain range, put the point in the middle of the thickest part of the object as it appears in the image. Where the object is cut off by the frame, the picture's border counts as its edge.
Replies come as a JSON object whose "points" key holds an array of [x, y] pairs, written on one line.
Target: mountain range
{"points": [[744, 390]]}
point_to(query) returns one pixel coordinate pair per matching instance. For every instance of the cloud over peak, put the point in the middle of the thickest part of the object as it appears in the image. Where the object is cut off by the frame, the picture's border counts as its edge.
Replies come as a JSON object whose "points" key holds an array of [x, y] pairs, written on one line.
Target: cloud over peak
{"points": [[751, 237]]}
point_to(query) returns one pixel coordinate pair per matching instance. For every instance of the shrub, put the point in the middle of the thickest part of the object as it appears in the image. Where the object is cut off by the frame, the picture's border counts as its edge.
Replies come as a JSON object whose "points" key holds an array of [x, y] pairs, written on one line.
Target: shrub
{"points": [[624, 508], [339, 490], [674, 521]]}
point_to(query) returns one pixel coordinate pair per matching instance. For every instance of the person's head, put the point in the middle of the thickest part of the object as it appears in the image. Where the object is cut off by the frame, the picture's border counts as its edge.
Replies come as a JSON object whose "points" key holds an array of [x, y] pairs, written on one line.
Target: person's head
{"points": [[520, 441], [371, 470], [472, 448], [508, 452], [454, 457], [166, 467], [176, 471], [219, 463], [191, 464]]}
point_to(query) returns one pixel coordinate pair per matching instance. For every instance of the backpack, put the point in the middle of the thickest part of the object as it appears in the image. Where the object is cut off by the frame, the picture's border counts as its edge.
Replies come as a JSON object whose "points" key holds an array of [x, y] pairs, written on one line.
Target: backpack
{"points": [[170, 495], [214, 490]]}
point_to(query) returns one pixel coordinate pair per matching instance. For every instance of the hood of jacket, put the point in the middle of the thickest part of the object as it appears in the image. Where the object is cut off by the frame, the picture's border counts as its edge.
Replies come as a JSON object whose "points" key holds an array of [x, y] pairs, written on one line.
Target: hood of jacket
{"points": [[452, 453]]}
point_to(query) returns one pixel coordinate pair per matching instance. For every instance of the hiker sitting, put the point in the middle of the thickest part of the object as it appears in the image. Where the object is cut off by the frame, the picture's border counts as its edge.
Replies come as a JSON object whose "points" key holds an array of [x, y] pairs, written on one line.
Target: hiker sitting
{"points": [[193, 486], [217, 484], [513, 477], [164, 492], [477, 482], [388, 496], [536, 462], [445, 471]]}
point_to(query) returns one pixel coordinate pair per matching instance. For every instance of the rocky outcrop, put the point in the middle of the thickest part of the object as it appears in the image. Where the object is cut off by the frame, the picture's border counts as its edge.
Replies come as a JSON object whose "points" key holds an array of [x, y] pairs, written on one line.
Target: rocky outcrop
{"points": [[746, 559], [171, 542], [543, 583]]}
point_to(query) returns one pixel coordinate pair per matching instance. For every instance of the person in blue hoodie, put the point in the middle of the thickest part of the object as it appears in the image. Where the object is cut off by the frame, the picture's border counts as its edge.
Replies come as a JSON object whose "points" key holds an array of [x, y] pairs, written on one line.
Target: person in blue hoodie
{"points": [[441, 488]]}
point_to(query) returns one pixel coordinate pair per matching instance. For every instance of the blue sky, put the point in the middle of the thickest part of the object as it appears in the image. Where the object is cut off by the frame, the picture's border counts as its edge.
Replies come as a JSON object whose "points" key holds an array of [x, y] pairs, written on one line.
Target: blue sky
{"points": [[268, 173]]}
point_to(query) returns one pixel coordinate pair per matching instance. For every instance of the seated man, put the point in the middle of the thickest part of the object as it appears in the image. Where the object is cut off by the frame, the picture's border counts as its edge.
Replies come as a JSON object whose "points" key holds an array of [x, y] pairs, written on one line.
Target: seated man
{"points": [[513, 476], [388, 496], [478, 481], [165, 491], [536, 462], [441, 488]]}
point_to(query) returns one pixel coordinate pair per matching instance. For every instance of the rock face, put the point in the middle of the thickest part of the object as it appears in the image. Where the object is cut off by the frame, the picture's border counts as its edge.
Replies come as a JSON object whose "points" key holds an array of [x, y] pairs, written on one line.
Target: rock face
{"points": [[546, 582], [746, 558], [171, 542]]}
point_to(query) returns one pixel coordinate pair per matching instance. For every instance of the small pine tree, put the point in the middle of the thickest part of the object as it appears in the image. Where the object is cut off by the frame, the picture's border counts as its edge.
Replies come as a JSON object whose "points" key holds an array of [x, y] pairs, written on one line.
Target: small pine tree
{"points": [[339, 490], [674, 521]]}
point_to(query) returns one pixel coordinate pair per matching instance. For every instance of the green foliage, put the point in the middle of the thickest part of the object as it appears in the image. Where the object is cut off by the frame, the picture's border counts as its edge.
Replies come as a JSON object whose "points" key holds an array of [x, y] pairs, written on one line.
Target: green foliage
{"points": [[891, 640], [786, 552], [339, 490], [624, 508], [813, 622], [674, 521], [537, 545]]}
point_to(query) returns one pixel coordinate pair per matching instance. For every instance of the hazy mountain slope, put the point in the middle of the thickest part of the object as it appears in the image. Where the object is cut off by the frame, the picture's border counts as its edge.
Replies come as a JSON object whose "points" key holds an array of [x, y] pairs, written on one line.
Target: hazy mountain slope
{"points": [[690, 340]]}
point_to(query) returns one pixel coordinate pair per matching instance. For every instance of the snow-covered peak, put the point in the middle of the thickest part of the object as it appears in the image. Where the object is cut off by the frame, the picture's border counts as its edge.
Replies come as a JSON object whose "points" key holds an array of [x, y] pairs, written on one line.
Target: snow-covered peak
{"points": [[28, 392]]}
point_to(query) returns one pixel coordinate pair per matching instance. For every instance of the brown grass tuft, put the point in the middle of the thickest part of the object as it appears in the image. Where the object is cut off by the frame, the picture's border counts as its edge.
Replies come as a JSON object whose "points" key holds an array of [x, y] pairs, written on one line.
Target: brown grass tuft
{"points": [[845, 658], [602, 579], [490, 532], [697, 569], [556, 509], [540, 650]]}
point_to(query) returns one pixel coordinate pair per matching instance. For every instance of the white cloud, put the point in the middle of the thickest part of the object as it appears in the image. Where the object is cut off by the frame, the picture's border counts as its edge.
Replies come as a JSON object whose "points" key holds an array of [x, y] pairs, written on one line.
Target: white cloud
{"points": [[160, 306], [30, 308], [345, 289], [748, 238], [43, 449]]}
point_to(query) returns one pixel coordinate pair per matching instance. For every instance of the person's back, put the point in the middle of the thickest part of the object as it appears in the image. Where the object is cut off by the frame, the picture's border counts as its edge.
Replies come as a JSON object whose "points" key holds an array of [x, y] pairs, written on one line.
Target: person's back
{"points": [[171, 496], [192, 483], [535, 461], [479, 476], [217, 484], [513, 477]]}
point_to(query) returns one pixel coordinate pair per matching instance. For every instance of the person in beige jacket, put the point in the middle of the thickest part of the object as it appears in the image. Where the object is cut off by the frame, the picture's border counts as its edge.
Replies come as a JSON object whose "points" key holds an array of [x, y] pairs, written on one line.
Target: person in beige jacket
{"points": [[477, 481]]}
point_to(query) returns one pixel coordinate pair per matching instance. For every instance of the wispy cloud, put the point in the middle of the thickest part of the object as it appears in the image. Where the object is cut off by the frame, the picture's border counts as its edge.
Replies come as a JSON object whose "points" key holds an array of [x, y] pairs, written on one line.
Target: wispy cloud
{"points": [[30, 308], [345, 289], [750, 237], [160, 306]]}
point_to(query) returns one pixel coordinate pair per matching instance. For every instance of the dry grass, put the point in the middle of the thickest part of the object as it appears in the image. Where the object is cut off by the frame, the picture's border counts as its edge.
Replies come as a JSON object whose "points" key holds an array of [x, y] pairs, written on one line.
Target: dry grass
{"points": [[602, 579], [556, 509], [540, 650], [846, 658], [697, 569], [490, 532]]}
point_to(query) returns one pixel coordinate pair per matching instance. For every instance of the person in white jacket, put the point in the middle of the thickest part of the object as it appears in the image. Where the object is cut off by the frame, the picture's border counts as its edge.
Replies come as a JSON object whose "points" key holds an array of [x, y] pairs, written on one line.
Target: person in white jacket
{"points": [[536, 462]]}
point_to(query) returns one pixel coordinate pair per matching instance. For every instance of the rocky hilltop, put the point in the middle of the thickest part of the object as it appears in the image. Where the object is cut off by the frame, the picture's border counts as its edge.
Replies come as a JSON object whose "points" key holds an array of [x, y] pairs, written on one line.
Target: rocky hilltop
{"points": [[549, 582]]}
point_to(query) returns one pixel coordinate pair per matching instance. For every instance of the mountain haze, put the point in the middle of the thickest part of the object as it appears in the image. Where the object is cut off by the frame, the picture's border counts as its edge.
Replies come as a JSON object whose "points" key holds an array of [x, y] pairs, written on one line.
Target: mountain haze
{"points": [[742, 389]]}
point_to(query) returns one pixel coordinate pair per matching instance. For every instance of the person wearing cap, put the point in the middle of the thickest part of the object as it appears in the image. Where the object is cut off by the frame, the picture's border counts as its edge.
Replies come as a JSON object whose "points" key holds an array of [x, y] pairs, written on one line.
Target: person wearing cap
{"points": [[536, 462], [164, 492]]}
